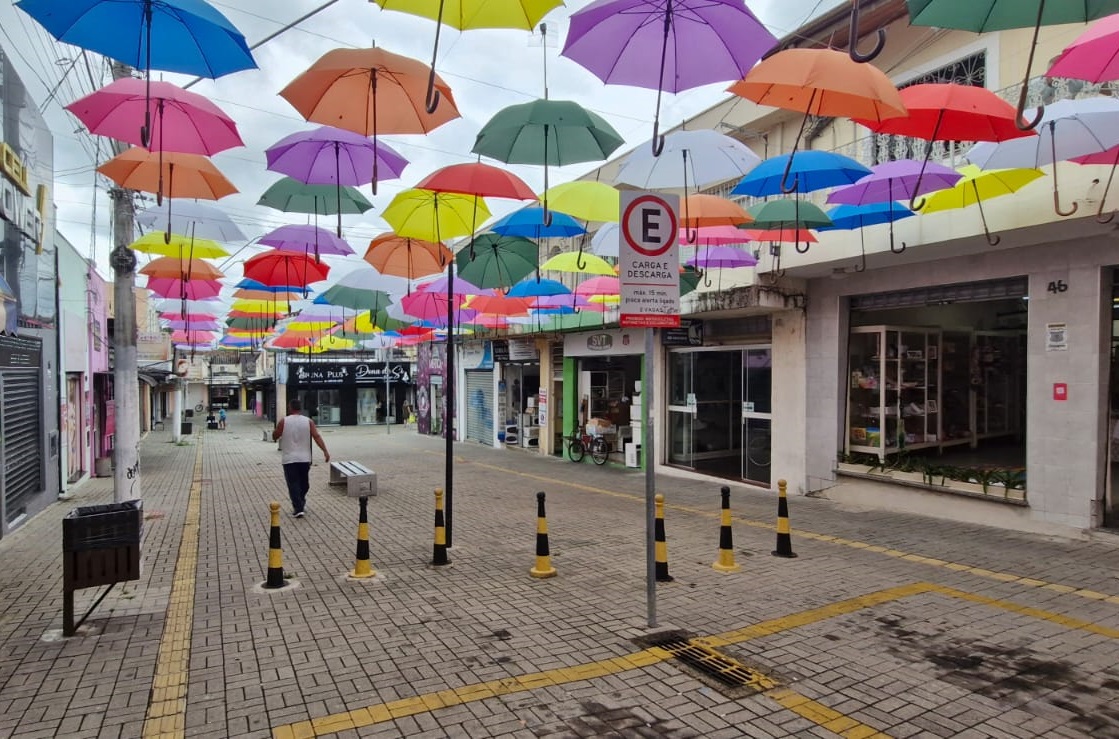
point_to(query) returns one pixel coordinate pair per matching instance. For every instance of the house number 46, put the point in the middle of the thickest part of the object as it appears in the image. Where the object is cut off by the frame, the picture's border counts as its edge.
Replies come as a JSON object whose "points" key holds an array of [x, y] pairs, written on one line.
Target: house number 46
{"points": [[1057, 286]]}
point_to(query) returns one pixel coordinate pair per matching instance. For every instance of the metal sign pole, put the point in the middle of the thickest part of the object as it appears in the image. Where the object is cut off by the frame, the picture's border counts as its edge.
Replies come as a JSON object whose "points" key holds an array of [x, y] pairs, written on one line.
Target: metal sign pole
{"points": [[650, 482]]}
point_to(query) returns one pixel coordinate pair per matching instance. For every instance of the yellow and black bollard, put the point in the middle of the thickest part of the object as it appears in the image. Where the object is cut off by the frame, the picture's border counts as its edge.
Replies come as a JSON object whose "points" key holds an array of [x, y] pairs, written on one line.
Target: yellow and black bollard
{"points": [[439, 552], [660, 545], [543, 566], [362, 567], [784, 534], [275, 553], [725, 563]]}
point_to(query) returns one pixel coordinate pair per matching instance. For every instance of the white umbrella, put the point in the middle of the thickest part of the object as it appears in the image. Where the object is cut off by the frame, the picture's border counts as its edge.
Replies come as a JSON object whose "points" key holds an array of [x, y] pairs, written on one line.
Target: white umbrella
{"points": [[213, 307], [696, 159], [195, 219], [604, 243], [1068, 129]]}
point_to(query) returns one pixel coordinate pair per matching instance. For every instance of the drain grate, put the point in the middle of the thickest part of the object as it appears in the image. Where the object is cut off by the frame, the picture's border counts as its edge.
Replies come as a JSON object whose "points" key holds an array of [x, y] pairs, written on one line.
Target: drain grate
{"points": [[713, 668]]}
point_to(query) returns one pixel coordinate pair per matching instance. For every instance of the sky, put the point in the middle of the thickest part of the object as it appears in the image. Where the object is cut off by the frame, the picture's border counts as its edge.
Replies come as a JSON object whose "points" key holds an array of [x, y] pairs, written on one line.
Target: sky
{"points": [[486, 69]]}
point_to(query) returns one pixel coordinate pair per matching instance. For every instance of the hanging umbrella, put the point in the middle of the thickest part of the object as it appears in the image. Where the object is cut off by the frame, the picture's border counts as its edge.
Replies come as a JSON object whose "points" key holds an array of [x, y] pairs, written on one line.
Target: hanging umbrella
{"points": [[849, 217], [368, 91], [605, 241], [780, 235], [811, 170], [183, 269], [195, 325], [196, 220], [1093, 55], [186, 36], [174, 315], [709, 210], [192, 306], [585, 199], [498, 305], [479, 179], [720, 257], [547, 132], [787, 214], [432, 306], [349, 292], [707, 157], [271, 290], [697, 42], [600, 287], [896, 179], [820, 82], [983, 16], [306, 238], [434, 216], [1111, 159], [334, 156], [1068, 129], [950, 112], [689, 280], [292, 196], [498, 261], [187, 290], [716, 235], [534, 223], [978, 185], [537, 288], [281, 268], [570, 261], [178, 246], [393, 254]]}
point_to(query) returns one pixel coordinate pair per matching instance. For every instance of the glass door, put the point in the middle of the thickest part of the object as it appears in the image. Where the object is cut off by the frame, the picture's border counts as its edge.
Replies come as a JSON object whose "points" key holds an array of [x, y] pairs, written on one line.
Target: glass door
{"points": [[757, 406], [681, 409]]}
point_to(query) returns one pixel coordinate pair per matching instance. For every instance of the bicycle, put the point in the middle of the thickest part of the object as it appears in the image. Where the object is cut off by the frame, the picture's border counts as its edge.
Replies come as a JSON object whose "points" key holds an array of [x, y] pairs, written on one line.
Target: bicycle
{"points": [[578, 444]]}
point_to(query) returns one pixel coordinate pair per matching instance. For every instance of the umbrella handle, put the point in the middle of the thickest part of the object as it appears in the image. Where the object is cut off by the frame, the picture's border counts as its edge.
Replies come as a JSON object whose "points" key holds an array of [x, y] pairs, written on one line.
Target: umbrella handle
{"points": [[916, 204], [805, 249], [658, 139], [691, 235], [1056, 187], [862, 252], [580, 262], [706, 277], [853, 39], [1019, 115], [431, 102]]}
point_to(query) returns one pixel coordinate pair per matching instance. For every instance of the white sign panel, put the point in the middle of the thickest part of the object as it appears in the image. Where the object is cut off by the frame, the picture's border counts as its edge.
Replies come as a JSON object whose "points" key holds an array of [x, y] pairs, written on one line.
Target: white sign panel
{"points": [[649, 260], [1056, 337]]}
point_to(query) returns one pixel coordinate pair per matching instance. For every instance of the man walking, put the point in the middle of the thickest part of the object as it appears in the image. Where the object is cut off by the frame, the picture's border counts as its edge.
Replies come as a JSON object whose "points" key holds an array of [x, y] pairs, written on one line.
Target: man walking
{"points": [[295, 432]]}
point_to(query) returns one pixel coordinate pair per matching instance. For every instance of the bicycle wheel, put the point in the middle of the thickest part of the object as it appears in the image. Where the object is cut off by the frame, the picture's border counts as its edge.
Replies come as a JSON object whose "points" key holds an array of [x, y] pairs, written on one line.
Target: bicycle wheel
{"points": [[600, 450], [576, 451], [758, 451]]}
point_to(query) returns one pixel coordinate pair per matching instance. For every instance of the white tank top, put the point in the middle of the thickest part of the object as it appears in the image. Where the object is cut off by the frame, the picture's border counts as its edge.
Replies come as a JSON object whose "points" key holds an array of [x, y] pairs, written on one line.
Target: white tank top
{"points": [[295, 444]]}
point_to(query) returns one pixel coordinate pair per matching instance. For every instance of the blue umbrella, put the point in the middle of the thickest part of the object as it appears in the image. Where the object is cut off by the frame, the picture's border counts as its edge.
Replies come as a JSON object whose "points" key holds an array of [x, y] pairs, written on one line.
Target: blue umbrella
{"points": [[849, 217], [535, 288], [187, 36], [531, 223], [248, 284], [811, 170]]}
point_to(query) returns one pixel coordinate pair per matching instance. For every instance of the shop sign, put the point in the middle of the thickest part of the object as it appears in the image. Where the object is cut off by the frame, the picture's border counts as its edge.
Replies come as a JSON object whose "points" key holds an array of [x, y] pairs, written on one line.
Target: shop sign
{"points": [[1056, 337], [368, 373], [380, 372], [649, 260], [523, 350], [17, 204], [599, 342], [612, 342], [542, 407], [688, 333], [318, 374], [20, 351], [500, 350], [477, 355]]}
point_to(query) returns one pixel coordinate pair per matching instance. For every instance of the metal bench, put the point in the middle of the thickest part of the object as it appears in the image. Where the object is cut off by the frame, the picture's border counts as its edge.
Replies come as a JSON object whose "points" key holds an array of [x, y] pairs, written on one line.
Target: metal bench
{"points": [[360, 481]]}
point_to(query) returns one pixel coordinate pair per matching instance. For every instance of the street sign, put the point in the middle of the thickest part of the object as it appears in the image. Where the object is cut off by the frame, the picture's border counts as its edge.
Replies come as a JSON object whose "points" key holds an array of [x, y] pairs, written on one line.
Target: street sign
{"points": [[649, 260]]}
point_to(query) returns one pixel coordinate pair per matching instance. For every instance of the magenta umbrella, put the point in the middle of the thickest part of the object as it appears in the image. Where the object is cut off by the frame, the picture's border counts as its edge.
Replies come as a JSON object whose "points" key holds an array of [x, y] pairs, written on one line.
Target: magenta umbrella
{"points": [[1110, 158], [715, 235], [1093, 55], [894, 181], [304, 239], [432, 307], [697, 42], [185, 121], [170, 287]]}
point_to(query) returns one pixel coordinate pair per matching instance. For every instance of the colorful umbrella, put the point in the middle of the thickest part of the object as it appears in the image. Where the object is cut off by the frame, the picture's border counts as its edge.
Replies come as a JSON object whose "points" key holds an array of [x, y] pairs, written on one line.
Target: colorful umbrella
{"points": [[716, 235], [434, 216], [585, 199], [848, 217], [350, 292], [709, 157], [498, 305], [393, 254], [697, 211], [811, 170], [477, 178], [495, 260], [536, 223], [178, 246], [900, 178], [1068, 129], [186, 290], [1110, 158], [788, 214], [280, 268], [184, 324], [537, 288], [820, 82], [304, 239], [570, 261], [196, 220], [978, 185], [292, 196], [721, 257], [368, 91], [697, 41], [183, 269], [982, 16], [605, 242], [1093, 55]]}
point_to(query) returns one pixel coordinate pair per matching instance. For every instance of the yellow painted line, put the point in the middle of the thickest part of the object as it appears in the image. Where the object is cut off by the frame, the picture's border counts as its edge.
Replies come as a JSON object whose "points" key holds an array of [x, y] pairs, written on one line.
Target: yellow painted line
{"points": [[821, 715], [1060, 619], [864, 546], [166, 715]]}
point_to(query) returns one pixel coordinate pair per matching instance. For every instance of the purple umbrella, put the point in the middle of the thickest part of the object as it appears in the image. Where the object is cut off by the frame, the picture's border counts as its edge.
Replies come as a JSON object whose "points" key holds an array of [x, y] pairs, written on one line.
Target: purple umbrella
{"points": [[698, 42], [332, 156], [304, 238], [894, 180], [721, 256]]}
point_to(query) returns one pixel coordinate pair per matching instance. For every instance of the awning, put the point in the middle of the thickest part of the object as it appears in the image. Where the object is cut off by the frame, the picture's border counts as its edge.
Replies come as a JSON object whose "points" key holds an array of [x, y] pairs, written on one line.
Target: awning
{"points": [[147, 379]]}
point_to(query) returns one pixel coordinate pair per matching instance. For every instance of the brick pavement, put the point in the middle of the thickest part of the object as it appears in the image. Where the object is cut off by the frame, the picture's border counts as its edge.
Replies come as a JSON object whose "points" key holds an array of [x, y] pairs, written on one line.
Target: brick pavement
{"points": [[969, 631]]}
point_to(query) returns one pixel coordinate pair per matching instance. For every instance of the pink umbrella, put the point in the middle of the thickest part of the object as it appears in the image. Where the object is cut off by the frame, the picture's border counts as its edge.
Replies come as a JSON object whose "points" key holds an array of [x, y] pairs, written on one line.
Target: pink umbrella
{"points": [[603, 285], [175, 315], [169, 287], [184, 122], [715, 235], [432, 306], [1093, 56], [196, 337], [1109, 158], [194, 325]]}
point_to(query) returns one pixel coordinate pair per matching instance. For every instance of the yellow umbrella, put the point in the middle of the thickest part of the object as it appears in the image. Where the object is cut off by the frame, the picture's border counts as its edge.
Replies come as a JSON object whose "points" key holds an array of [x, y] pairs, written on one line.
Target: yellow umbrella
{"points": [[307, 327], [585, 199], [570, 262], [978, 185], [435, 216], [257, 307], [179, 246]]}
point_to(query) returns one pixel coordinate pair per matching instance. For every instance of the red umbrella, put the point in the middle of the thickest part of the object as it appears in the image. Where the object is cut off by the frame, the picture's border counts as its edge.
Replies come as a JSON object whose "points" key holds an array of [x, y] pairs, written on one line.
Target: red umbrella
{"points": [[950, 112], [278, 268], [475, 178]]}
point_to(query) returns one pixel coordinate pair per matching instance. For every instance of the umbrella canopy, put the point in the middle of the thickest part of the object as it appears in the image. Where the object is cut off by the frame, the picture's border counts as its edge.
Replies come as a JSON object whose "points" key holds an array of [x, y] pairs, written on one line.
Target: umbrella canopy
{"points": [[184, 121], [434, 216], [585, 199], [1068, 129], [196, 325], [697, 42], [847, 217], [494, 260], [537, 288], [577, 262], [605, 241], [780, 235], [304, 239], [498, 305], [178, 246], [721, 256], [706, 157], [432, 306], [976, 186], [192, 218], [171, 174], [477, 178], [184, 269], [393, 254], [328, 155], [716, 235], [292, 196], [900, 178], [812, 170], [166, 287], [349, 292], [982, 16], [1093, 55], [278, 268], [535, 223], [697, 211], [788, 214], [184, 307], [598, 287], [820, 82]]}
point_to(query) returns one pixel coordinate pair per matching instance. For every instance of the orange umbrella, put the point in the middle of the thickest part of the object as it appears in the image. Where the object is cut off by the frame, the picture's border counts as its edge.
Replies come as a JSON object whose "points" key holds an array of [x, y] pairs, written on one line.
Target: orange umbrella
{"points": [[180, 176], [392, 254], [710, 210], [247, 294], [820, 82], [181, 269], [369, 91]]}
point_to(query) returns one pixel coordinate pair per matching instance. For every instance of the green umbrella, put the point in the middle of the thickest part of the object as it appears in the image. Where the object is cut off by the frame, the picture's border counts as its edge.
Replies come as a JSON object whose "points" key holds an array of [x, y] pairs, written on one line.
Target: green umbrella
{"points": [[787, 214], [548, 132], [253, 324], [292, 196], [982, 16], [689, 280], [358, 298], [493, 260]]}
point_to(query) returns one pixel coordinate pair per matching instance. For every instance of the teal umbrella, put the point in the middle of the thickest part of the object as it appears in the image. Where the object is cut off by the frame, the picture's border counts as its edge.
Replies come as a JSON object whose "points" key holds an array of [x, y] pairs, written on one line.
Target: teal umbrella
{"points": [[982, 16], [292, 196], [787, 214], [493, 260]]}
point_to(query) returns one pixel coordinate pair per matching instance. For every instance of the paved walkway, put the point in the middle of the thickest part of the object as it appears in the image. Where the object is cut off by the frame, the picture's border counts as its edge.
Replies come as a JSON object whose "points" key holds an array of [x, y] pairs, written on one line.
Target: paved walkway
{"points": [[885, 625]]}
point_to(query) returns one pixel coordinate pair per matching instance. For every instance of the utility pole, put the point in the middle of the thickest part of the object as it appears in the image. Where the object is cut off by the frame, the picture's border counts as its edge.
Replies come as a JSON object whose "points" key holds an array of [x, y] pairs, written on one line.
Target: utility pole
{"points": [[126, 446]]}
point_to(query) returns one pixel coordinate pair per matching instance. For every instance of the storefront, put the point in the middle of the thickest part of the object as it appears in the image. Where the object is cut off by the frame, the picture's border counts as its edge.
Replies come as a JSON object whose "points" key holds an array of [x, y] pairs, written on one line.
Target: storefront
{"points": [[478, 390], [518, 402], [604, 370], [350, 394], [430, 395]]}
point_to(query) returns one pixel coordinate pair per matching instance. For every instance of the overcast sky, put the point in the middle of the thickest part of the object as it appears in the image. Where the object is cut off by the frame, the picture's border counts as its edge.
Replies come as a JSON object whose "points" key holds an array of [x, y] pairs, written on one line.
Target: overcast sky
{"points": [[486, 69]]}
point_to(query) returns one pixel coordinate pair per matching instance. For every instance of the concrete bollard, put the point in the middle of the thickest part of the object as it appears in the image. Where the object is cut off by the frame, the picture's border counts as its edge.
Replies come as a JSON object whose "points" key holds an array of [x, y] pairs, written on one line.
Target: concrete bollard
{"points": [[726, 563]]}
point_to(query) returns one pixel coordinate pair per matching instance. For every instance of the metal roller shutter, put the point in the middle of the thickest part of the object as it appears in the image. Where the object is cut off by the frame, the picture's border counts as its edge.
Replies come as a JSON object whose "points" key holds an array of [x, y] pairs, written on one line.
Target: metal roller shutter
{"points": [[20, 427], [966, 292], [479, 406]]}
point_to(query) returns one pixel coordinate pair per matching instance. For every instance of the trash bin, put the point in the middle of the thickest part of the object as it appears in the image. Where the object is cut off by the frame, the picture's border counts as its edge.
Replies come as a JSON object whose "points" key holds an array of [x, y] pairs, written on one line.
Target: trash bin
{"points": [[100, 546], [188, 413], [186, 428]]}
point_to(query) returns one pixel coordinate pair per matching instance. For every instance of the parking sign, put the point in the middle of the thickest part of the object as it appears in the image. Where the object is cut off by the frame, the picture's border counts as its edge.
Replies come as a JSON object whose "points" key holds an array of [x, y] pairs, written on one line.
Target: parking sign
{"points": [[649, 260]]}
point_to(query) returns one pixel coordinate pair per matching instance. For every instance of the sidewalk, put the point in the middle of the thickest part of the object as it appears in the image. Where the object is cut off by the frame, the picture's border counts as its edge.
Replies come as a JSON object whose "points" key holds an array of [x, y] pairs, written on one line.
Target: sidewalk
{"points": [[886, 624]]}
